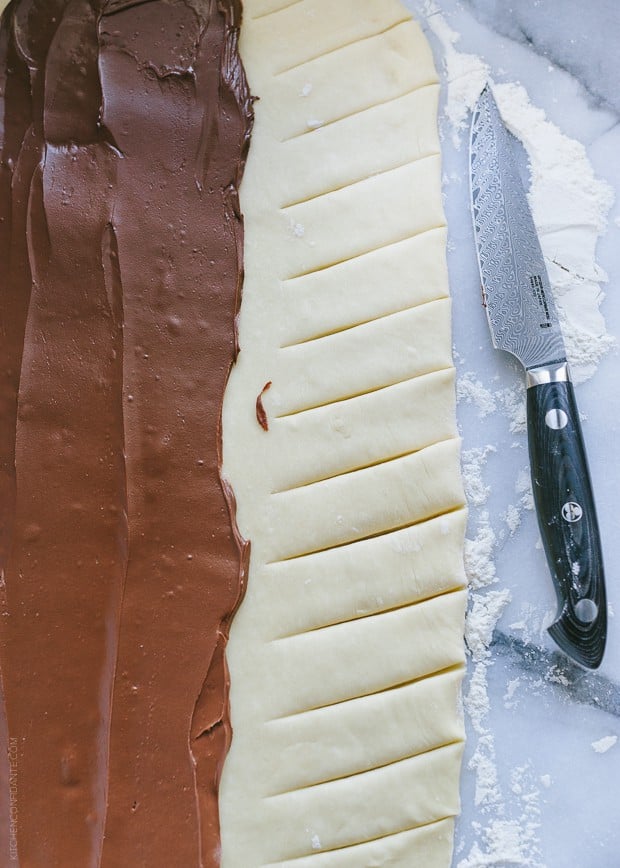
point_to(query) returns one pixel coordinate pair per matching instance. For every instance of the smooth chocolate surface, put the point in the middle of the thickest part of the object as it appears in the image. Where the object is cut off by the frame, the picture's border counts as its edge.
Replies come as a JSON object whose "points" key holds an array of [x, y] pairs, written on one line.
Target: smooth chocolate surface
{"points": [[124, 126]]}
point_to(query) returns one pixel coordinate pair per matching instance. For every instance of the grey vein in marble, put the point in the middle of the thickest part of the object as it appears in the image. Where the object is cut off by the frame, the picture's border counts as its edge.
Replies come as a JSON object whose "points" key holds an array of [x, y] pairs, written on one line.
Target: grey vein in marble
{"points": [[589, 49], [546, 716]]}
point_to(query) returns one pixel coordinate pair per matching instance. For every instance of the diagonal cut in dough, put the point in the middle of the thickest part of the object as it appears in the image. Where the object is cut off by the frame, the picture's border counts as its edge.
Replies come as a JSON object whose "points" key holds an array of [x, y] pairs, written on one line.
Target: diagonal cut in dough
{"points": [[346, 656]]}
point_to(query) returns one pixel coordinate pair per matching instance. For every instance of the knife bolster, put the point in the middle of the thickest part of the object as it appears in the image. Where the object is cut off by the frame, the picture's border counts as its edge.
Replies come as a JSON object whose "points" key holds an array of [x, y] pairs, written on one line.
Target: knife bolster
{"points": [[556, 373]]}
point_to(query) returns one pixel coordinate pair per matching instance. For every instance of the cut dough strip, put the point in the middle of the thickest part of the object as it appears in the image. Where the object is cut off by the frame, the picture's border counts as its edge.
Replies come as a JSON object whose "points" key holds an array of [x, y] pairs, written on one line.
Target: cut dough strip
{"points": [[355, 41], [346, 656], [317, 28], [321, 165], [431, 844], [409, 717], [349, 581], [355, 78], [380, 353], [410, 793], [346, 295], [351, 434], [381, 205], [270, 7], [297, 662], [395, 494]]}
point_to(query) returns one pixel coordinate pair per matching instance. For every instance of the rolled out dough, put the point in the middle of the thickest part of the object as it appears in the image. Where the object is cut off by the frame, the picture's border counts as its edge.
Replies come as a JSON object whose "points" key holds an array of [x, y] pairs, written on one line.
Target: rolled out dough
{"points": [[346, 655]]}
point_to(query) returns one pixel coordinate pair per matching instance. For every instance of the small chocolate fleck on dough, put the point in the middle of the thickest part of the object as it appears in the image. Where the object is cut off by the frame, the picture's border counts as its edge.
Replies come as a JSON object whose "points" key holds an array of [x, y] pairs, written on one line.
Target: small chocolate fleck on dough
{"points": [[261, 415]]}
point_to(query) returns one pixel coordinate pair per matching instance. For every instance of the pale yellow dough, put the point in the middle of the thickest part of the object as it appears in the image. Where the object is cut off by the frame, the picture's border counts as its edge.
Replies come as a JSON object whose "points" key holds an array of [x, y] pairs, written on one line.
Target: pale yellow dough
{"points": [[346, 655]]}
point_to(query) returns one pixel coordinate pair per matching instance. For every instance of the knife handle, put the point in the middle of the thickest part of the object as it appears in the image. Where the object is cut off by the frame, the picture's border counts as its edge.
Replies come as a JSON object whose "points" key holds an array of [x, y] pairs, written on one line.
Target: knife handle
{"points": [[566, 515]]}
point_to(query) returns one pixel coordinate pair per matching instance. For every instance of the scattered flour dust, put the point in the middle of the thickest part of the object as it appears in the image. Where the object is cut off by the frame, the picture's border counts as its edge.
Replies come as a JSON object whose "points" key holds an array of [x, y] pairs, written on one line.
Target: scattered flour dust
{"points": [[466, 74], [523, 487], [512, 517], [512, 402], [569, 203], [505, 842], [500, 840], [473, 462], [570, 206], [479, 561], [471, 390], [484, 613], [604, 744]]}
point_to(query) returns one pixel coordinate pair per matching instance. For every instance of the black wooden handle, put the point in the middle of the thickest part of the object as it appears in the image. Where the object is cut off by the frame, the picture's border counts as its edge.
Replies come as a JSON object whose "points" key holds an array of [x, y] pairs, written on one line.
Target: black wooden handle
{"points": [[567, 521]]}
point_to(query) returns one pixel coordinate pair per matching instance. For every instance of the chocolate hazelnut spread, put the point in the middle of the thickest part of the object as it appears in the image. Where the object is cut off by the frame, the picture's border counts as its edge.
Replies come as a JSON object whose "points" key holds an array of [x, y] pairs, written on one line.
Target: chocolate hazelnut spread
{"points": [[124, 127]]}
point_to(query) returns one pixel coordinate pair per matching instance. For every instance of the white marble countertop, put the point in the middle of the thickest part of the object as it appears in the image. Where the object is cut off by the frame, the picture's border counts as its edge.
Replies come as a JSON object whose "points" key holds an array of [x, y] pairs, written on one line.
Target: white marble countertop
{"points": [[535, 791]]}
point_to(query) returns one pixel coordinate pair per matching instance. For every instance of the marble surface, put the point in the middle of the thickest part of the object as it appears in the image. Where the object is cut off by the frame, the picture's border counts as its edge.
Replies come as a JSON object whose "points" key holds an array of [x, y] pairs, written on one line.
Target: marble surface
{"points": [[553, 790]]}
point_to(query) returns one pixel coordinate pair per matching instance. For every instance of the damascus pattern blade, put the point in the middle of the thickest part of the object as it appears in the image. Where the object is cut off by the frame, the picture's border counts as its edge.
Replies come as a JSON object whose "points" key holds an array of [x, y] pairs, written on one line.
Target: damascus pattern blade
{"points": [[515, 285]]}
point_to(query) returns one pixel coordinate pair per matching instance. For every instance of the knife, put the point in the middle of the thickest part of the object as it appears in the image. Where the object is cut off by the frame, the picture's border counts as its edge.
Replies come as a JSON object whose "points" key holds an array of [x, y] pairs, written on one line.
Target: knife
{"points": [[523, 320]]}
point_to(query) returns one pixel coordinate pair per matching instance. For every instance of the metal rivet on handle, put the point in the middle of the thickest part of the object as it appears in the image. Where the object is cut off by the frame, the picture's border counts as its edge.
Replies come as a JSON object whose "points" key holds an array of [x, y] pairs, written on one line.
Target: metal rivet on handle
{"points": [[556, 419], [586, 610], [571, 511]]}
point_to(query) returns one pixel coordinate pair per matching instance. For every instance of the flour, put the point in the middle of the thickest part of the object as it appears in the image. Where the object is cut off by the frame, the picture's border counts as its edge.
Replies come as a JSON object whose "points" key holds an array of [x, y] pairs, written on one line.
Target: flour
{"points": [[481, 621], [487, 793], [484, 613], [476, 702], [570, 208], [504, 845], [512, 402], [479, 562], [511, 689], [471, 390], [530, 626], [473, 462], [604, 744], [556, 676], [570, 205], [512, 517], [500, 841], [504, 841], [466, 74], [523, 486]]}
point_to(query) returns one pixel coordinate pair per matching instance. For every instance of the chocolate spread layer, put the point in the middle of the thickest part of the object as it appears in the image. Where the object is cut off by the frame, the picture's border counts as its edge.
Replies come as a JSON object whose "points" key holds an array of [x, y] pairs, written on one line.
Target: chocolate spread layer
{"points": [[124, 127]]}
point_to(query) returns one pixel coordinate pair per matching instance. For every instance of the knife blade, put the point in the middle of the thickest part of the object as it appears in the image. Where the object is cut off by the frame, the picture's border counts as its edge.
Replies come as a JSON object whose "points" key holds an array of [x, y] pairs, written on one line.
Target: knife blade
{"points": [[524, 322]]}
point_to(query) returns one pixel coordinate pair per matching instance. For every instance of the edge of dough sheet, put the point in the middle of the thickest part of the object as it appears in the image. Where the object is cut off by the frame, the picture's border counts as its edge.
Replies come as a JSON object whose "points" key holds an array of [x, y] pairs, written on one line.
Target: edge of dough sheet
{"points": [[346, 656]]}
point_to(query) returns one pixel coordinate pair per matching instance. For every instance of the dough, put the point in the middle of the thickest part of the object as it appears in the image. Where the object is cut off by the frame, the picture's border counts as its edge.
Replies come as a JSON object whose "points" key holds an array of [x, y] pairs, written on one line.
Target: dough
{"points": [[346, 655]]}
